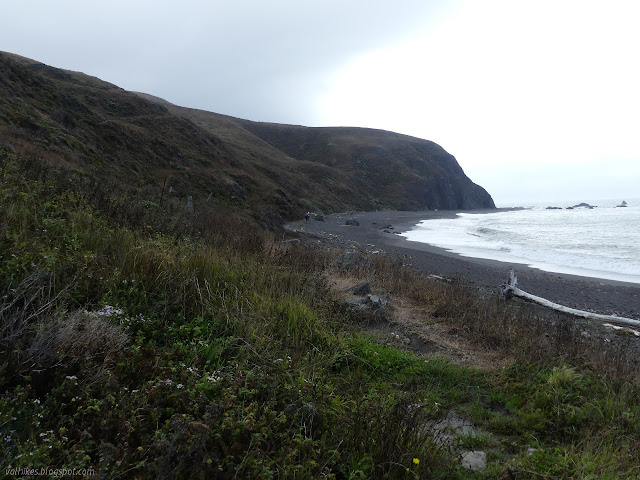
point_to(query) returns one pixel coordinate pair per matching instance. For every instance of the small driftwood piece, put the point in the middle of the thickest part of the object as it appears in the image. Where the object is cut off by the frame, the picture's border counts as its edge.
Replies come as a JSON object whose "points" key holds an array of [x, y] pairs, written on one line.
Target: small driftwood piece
{"points": [[511, 288]]}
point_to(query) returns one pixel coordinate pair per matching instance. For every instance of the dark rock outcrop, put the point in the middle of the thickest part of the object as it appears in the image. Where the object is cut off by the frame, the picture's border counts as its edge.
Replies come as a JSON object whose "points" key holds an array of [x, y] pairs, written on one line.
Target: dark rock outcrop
{"points": [[403, 172], [582, 205]]}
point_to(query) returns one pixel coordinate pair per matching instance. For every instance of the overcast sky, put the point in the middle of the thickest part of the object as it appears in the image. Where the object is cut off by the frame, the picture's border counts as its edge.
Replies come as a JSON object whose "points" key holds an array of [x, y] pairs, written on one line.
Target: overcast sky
{"points": [[537, 100]]}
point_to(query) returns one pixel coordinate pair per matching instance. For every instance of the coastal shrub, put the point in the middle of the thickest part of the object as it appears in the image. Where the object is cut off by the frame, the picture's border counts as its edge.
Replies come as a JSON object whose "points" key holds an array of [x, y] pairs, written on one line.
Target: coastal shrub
{"points": [[73, 338], [143, 344]]}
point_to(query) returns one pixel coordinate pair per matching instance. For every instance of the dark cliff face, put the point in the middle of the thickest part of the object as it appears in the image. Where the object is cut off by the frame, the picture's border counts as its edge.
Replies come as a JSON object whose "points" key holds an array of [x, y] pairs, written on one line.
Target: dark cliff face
{"points": [[409, 172], [143, 144]]}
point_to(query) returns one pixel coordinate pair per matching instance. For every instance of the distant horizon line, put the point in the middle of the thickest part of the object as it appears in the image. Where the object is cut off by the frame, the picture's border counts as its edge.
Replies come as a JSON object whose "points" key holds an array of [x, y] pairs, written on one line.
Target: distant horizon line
{"points": [[592, 201]]}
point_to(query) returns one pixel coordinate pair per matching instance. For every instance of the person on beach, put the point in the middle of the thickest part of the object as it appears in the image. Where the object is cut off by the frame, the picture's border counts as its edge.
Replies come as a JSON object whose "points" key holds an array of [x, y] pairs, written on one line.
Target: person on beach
{"points": [[306, 216]]}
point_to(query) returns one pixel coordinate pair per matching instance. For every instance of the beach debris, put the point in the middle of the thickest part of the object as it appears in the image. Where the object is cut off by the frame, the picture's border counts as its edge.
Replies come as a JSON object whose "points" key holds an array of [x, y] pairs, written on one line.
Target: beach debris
{"points": [[510, 289], [622, 329]]}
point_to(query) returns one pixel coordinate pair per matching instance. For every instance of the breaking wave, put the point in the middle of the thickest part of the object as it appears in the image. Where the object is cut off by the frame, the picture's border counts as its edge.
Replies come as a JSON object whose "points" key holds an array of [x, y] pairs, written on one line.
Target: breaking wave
{"points": [[603, 242]]}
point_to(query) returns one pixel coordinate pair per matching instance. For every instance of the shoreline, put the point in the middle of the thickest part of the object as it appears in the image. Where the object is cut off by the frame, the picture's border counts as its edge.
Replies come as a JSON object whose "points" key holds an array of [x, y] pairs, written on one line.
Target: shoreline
{"points": [[378, 231]]}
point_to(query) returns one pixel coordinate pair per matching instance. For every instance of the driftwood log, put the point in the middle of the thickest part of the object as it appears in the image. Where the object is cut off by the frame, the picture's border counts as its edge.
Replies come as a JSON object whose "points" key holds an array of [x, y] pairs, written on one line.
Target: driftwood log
{"points": [[511, 288]]}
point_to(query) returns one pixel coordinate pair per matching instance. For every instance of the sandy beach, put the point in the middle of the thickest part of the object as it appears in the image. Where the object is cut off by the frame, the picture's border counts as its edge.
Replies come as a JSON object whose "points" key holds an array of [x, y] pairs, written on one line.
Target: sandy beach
{"points": [[379, 232]]}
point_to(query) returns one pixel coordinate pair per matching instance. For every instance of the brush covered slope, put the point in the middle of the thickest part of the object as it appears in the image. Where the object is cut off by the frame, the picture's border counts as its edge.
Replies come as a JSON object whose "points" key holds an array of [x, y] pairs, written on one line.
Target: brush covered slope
{"points": [[374, 168], [147, 344], [267, 170], [139, 342]]}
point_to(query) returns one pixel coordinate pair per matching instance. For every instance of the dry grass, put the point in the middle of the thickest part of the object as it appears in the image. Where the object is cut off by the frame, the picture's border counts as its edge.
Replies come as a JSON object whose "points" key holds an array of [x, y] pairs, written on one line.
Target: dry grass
{"points": [[475, 327], [80, 336]]}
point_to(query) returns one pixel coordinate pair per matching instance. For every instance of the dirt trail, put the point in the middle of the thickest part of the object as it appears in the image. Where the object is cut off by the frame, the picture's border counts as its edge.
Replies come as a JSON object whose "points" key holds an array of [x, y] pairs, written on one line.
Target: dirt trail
{"points": [[409, 326]]}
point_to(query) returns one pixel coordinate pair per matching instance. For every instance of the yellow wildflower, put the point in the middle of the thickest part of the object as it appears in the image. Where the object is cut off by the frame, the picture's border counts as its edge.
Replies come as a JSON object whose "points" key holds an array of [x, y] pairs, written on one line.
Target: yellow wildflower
{"points": [[416, 461]]}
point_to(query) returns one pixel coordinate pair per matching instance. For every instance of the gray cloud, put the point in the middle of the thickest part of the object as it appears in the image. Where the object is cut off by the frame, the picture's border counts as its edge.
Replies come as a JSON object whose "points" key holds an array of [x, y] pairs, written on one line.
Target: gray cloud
{"points": [[263, 60]]}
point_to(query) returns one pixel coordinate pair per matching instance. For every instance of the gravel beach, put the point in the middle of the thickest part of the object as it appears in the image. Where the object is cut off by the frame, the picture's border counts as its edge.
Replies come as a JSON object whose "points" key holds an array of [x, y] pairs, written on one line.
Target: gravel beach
{"points": [[379, 232]]}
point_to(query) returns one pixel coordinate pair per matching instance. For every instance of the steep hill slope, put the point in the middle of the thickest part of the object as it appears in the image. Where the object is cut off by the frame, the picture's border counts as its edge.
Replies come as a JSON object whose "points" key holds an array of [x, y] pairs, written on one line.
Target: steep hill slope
{"points": [[374, 168], [154, 150]]}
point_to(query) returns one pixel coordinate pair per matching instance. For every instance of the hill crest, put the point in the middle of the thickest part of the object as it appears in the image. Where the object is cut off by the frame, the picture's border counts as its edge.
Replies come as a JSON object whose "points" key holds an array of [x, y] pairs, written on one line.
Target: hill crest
{"points": [[268, 170]]}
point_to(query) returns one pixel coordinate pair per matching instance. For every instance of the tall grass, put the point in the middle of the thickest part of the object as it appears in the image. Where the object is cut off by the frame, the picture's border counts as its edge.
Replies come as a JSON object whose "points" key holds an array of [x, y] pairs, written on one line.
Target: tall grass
{"points": [[174, 346]]}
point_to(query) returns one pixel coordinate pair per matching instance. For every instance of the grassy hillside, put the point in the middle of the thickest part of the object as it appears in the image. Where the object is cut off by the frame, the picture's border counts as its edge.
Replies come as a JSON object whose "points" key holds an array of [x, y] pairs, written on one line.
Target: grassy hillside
{"points": [[140, 342], [267, 171], [135, 343], [373, 168]]}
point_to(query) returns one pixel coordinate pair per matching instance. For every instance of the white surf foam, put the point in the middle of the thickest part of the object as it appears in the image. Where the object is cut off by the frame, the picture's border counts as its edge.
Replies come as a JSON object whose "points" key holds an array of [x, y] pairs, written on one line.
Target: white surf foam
{"points": [[600, 243]]}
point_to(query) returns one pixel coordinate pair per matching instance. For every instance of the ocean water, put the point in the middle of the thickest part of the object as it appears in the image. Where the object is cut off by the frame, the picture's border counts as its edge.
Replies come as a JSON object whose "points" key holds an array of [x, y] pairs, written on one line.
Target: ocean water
{"points": [[603, 242]]}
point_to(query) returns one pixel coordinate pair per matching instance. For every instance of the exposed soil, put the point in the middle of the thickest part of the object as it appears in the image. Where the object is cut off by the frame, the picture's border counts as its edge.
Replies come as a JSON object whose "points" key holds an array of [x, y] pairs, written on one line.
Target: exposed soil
{"points": [[405, 325]]}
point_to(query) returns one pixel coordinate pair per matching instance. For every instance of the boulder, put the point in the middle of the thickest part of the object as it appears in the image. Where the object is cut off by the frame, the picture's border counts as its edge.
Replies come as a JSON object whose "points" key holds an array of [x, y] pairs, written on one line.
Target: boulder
{"points": [[474, 461], [353, 222], [356, 303], [375, 301], [361, 289]]}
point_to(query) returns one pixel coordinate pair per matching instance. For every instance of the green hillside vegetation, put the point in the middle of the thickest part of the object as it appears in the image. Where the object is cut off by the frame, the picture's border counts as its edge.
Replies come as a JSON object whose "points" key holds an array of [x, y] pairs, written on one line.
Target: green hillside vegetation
{"points": [[172, 349], [268, 171], [373, 168], [139, 341]]}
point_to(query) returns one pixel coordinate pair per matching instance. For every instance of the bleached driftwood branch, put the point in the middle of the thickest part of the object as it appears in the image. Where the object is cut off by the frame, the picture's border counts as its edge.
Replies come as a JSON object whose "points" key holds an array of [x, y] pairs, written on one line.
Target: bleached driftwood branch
{"points": [[511, 288]]}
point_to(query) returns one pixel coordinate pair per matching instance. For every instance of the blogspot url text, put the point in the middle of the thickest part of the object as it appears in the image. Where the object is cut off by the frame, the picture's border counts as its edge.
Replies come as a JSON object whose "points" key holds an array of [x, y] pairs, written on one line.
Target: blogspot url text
{"points": [[50, 472]]}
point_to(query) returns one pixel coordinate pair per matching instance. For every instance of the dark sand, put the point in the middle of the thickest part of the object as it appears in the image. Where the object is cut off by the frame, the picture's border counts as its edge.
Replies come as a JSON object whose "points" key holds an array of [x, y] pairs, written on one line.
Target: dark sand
{"points": [[585, 293]]}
